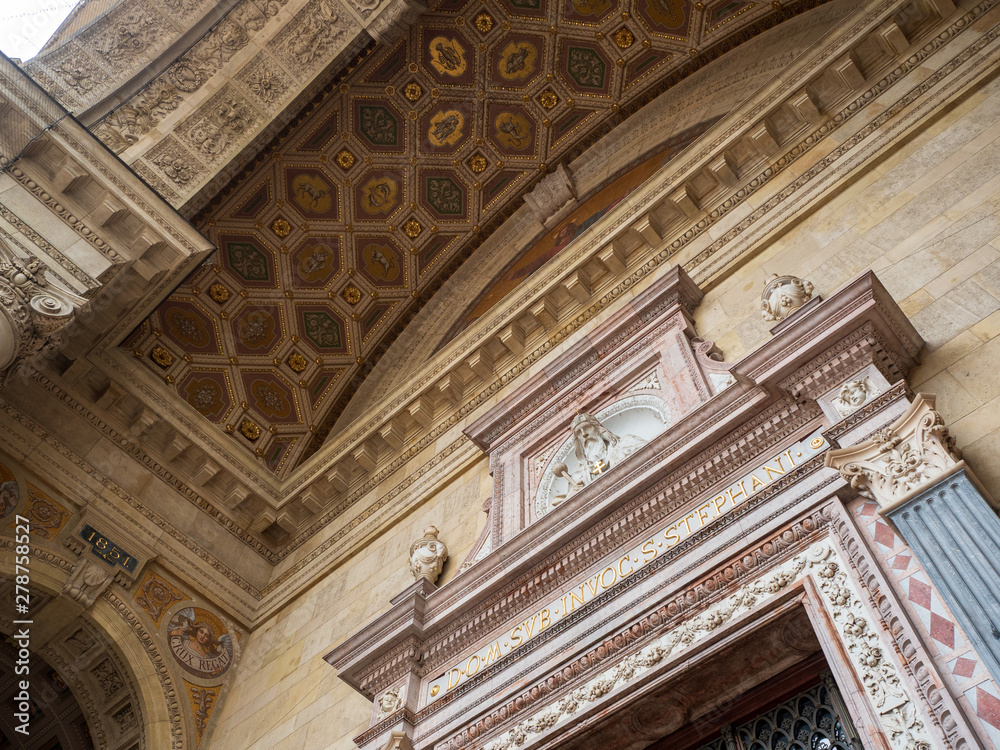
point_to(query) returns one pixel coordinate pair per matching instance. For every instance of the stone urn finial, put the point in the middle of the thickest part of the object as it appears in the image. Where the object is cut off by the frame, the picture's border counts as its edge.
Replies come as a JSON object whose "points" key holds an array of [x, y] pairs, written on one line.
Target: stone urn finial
{"points": [[427, 556], [782, 296]]}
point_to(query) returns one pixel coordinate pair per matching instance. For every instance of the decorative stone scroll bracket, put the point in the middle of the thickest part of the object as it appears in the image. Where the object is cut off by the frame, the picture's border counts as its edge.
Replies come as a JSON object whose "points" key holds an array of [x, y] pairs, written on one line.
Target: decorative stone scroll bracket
{"points": [[553, 197], [901, 459], [32, 312]]}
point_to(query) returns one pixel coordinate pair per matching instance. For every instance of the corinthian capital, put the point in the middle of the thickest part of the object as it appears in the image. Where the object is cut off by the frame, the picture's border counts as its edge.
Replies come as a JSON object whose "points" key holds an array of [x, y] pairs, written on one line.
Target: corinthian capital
{"points": [[900, 459], [31, 312]]}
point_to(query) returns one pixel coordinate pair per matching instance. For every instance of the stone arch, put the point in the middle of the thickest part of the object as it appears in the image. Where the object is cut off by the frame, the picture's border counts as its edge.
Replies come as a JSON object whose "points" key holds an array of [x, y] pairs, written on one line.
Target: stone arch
{"points": [[109, 660]]}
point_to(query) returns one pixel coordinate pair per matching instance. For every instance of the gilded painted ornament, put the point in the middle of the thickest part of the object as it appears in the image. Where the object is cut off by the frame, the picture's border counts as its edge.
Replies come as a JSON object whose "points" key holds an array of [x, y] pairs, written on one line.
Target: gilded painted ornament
{"points": [[296, 361], [161, 356], [218, 293], [352, 295], [447, 56], [249, 430], [446, 128], [412, 228], [345, 159], [548, 99], [624, 38], [281, 227], [484, 22], [413, 91], [477, 163]]}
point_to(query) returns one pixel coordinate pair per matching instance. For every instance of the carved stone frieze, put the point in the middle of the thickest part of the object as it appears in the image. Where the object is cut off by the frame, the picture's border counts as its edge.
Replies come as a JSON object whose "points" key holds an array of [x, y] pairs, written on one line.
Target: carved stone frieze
{"points": [[134, 34], [393, 21], [265, 81], [126, 125], [175, 163], [900, 459], [306, 41], [219, 126]]}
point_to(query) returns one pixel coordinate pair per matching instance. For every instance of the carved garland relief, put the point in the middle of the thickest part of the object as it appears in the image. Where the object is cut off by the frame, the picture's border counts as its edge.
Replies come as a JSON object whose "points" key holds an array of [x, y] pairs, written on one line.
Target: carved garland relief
{"points": [[891, 700]]}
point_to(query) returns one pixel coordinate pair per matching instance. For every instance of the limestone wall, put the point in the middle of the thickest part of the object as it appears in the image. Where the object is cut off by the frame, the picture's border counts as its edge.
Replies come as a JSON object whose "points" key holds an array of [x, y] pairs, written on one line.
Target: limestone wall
{"points": [[926, 219], [285, 694]]}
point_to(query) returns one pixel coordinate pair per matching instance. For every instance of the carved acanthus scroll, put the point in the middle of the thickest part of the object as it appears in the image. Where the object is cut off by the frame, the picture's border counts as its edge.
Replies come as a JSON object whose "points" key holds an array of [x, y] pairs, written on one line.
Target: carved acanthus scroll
{"points": [[899, 459], [782, 296], [32, 311]]}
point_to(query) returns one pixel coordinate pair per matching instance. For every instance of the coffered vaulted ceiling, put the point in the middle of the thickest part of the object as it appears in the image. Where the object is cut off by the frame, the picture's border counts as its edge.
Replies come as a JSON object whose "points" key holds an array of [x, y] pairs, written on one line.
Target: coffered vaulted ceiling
{"points": [[355, 215]]}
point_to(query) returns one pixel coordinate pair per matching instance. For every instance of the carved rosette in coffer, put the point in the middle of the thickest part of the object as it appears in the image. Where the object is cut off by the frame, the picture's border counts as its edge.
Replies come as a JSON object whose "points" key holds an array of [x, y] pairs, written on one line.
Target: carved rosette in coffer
{"points": [[571, 430]]}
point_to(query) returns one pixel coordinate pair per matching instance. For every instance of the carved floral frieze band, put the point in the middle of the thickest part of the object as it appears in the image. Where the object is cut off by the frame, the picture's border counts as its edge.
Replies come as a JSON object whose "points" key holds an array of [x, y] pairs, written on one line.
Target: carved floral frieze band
{"points": [[895, 708], [899, 459]]}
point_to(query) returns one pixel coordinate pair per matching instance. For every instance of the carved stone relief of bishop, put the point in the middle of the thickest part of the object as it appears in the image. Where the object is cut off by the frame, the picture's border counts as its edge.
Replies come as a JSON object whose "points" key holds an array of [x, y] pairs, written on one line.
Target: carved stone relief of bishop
{"points": [[597, 449]]}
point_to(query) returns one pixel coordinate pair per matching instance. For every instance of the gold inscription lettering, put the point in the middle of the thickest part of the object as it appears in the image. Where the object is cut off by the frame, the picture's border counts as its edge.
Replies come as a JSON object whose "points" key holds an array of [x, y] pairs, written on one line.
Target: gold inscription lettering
{"points": [[671, 536], [494, 653], [614, 577], [516, 639], [648, 549], [529, 630], [468, 667], [734, 493], [625, 559], [546, 620], [779, 471]]}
